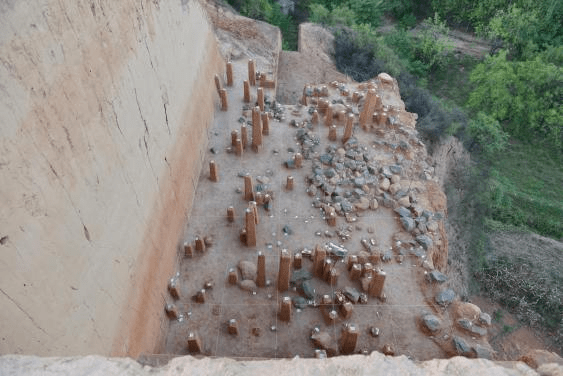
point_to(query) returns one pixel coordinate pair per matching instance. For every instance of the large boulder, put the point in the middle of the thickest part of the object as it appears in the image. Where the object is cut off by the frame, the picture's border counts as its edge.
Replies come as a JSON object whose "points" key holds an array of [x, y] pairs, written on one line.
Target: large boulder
{"points": [[247, 270]]}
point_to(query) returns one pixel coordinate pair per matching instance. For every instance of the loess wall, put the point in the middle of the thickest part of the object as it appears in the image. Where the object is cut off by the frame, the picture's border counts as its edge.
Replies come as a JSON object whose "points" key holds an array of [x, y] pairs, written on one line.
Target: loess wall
{"points": [[104, 108]]}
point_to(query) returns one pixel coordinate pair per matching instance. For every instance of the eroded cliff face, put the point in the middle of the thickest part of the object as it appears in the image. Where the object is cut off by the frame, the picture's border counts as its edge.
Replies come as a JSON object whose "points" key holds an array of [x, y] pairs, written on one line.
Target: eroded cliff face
{"points": [[104, 111]]}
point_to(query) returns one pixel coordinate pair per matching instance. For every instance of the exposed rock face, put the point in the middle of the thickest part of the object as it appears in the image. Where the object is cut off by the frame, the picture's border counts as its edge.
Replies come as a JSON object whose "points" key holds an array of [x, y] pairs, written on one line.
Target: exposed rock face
{"points": [[376, 363]]}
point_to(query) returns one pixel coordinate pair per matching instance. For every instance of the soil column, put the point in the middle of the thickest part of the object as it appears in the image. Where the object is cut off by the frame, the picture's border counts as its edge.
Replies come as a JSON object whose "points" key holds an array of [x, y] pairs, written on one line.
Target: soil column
{"points": [[229, 74], [285, 270], [348, 339], [256, 129], [319, 261], [250, 228], [261, 270], [285, 309], [348, 128], [251, 72], [369, 107]]}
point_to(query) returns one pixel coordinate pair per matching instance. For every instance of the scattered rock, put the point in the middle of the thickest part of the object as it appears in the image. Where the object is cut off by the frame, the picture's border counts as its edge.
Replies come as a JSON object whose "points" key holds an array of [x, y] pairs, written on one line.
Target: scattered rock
{"points": [[425, 241], [308, 289], [388, 349], [384, 184], [408, 223], [394, 188], [247, 270], [324, 341], [484, 319], [248, 285], [461, 347], [436, 276], [403, 212], [445, 297], [404, 201], [465, 324], [482, 352], [299, 302], [352, 294], [431, 322]]}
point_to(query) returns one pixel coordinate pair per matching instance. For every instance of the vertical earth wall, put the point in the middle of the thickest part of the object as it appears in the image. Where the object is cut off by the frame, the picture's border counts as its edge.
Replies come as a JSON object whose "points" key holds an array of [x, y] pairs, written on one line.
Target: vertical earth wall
{"points": [[104, 107]]}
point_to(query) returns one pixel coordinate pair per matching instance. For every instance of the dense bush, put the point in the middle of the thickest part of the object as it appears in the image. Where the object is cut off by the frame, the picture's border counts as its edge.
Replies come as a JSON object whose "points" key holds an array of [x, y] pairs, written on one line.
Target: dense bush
{"points": [[525, 96]]}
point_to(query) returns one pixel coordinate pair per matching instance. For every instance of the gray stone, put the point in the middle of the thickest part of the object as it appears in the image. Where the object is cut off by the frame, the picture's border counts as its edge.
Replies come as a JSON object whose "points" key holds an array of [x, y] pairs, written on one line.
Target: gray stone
{"points": [[484, 319], [408, 223], [431, 322], [330, 172], [247, 285], [465, 324], [482, 352], [352, 294], [436, 276], [425, 241], [347, 207], [300, 275], [247, 270], [396, 169], [299, 302], [403, 212], [445, 297], [461, 346], [287, 230], [326, 158], [386, 172], [386, 256], [479, 331], [290, 163], [308, 289]]}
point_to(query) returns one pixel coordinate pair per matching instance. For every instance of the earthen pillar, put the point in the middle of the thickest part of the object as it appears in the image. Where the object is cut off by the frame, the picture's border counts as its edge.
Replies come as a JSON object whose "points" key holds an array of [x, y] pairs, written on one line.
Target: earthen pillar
{"points": [[369, 107], [319, 260], [332, 136], [289, 183], [229, 74], [213, 173], [251, 72], [224, 104], [348, 128], [261, 270], [194, 343], [265, 124], [328, 117], [246, 86], [248, 188], [250, 228], [285, 309], [348, 339], [256, 129], [244, 135], [231, 214], [260, 96], [284, 271]]}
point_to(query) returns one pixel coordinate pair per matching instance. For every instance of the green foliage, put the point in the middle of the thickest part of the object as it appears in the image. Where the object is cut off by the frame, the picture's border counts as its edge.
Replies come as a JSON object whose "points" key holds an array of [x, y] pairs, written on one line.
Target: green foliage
{"points": [[257, 9], [487, 134], [269, 11], [524, 96], [432, 47], [519, 29], [368, 11]]}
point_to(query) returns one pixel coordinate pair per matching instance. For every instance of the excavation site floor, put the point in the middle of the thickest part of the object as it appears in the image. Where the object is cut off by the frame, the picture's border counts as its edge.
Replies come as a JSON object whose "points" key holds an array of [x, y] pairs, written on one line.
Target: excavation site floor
{"points": [[361, 184]]}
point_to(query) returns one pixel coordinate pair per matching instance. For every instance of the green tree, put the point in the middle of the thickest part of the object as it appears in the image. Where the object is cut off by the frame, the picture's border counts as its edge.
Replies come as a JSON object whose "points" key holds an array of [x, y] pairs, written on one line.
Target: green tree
{"points": [[525, 96], [487, 134]]}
